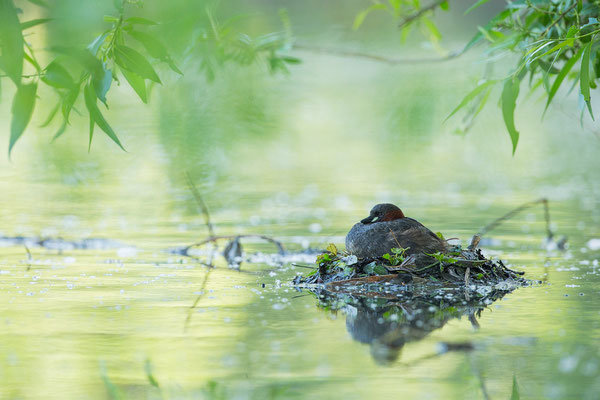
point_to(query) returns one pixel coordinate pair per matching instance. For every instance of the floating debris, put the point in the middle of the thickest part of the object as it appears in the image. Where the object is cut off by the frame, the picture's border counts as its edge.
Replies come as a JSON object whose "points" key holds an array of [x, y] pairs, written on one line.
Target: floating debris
{"points": [[233, 252], [62, 244]]}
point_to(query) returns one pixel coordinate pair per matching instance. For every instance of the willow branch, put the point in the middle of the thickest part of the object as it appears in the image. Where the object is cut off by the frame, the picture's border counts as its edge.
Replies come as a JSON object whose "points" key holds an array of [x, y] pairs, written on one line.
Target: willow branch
{"points": [[333, 51], [408, 19], [557, 20]]}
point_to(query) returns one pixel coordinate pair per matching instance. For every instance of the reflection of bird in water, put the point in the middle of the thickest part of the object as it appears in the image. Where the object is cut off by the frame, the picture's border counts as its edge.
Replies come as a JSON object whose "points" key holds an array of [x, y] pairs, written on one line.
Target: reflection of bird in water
{"points": [[387, 324], [385, 228], [367, 326], [387, 329]]}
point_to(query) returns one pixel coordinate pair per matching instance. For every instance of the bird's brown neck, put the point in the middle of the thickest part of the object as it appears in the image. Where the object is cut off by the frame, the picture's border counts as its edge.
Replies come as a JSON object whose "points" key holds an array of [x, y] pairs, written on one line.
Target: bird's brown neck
{"points": [[393, 215]]}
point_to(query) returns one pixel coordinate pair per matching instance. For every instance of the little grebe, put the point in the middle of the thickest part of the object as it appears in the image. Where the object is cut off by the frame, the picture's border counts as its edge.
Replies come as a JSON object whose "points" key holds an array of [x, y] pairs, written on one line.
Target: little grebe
{"points": [[386, 227]]}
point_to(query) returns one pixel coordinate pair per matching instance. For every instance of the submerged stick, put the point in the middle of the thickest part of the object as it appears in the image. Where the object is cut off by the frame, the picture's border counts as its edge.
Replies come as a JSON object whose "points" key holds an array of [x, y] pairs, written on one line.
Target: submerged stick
{"points": [[29, 257], [198, 298]]}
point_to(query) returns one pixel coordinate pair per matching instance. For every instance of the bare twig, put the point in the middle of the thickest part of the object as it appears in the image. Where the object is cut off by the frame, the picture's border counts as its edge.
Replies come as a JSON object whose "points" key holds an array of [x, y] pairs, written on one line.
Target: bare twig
{"points": [[467, 271], [300, 295], [410, 18], [333, 51], [201, 204], [303, 266], [29, 257], [395, 238], [214, 239], [474, 242], [517, 210]]}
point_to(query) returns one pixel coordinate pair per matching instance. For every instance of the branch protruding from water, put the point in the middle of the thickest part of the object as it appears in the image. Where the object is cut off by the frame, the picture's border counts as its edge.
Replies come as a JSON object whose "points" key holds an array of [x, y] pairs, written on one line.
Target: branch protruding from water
{"points": [[214, 239], [495, 223], [201, 204]]}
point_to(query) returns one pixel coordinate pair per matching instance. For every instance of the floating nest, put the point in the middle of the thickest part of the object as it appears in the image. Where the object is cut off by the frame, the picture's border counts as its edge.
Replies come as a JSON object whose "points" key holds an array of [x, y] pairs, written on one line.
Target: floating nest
{"points": [[458, 266]]}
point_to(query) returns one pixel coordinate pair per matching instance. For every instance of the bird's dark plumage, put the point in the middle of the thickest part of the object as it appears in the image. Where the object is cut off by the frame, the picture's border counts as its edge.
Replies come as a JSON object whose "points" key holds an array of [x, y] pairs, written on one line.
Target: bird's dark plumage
{"points": [[386, 228]]}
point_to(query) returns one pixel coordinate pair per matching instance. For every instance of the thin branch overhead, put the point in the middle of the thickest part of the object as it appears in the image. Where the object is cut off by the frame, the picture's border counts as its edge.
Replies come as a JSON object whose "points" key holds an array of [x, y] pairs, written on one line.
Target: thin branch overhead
{"points": [[409, 18], [333, 51]]}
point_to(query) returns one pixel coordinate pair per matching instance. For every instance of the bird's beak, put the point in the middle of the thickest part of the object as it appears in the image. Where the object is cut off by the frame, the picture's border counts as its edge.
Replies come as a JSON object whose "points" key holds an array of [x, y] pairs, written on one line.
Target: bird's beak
{"points": [[369, 219]]}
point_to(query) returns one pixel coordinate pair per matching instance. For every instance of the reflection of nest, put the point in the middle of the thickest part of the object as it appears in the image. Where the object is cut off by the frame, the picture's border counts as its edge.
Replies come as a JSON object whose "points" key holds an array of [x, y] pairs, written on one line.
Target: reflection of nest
{"points": [[388, 323]]}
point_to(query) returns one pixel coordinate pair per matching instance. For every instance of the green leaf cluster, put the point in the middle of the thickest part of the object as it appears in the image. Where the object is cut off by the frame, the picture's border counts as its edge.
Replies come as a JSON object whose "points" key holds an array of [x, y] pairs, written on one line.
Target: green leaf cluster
{"points": [[409, 14], [397, 256], [552, 38], [219, 43], [441, 259], [130, 49], [125, 49]]}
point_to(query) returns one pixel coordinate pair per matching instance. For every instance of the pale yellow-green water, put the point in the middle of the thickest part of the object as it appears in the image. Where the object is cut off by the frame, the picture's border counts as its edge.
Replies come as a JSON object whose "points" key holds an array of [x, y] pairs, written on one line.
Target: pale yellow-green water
{"points": [[299, 158]]}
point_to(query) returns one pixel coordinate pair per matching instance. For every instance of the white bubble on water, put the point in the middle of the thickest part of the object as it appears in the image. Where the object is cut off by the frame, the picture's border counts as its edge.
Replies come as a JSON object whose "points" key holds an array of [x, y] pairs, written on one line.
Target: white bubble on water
{"points": [[315, 227], [568, 364]]}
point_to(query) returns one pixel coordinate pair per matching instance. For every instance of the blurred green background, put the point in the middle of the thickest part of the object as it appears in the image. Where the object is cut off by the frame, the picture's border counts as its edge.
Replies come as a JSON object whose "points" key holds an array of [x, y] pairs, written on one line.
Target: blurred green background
{"points": [[301, 157]]}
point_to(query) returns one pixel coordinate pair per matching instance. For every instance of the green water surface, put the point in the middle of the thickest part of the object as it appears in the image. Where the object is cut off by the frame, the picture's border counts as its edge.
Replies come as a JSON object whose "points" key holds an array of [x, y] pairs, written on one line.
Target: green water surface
{"points": [[301, 159]]}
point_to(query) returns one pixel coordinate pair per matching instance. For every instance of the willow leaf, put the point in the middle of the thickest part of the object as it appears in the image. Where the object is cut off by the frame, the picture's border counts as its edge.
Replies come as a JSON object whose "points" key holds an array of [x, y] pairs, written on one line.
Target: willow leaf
{"points": [[360, 17], [510, 92], [96, 116], [476, 5], [137, 83], [40, 3], [584, 77], [470, 96], [140, 21], [102, 81], [51, 115], [68, 102], [34, 22], [11, 41], [60, 131], [132, 60], [22, 108], [561, 77], [153, 46], [57, 76], [515, 395]]}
